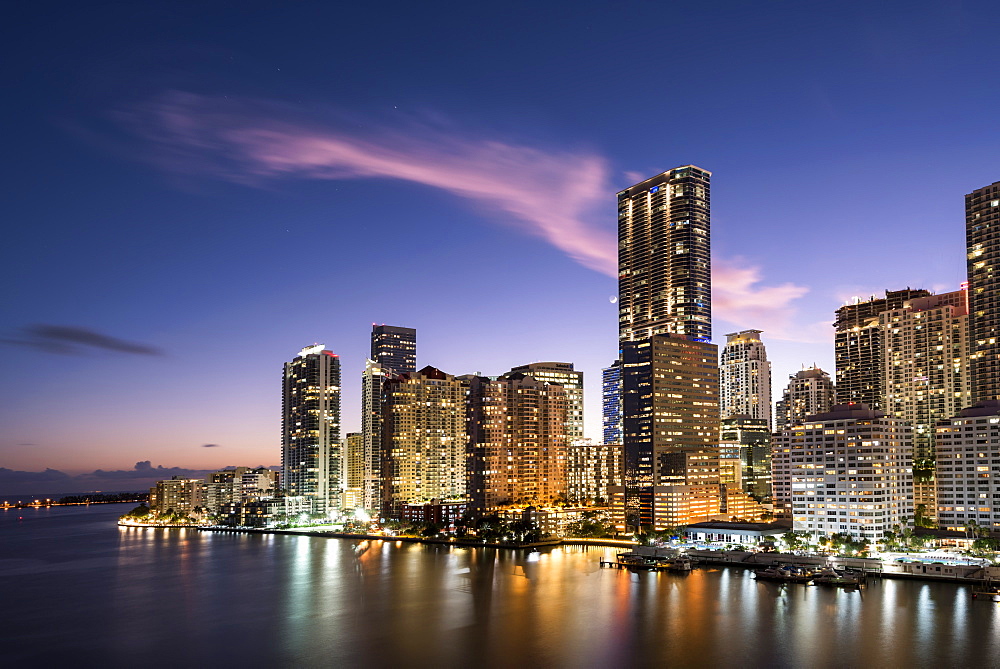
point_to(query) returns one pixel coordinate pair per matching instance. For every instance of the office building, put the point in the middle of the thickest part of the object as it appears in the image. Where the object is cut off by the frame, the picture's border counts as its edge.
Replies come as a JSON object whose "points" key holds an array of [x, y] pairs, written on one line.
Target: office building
{"points": [[670, 390], [968, 469], [423, 439], [354, 470], [927, 380], [982, 222], [808, 392], [858, 347], [847, 471], [611, 403], [395, 348], [745, 377], [664, 256], [563, 374], [310, 428], [748, 440]]}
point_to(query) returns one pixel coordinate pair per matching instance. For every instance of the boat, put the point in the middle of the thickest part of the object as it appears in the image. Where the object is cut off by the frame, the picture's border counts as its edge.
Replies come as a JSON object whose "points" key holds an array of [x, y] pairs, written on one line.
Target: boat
{"points": [[784, 574], [681, 563], [830, 576]]}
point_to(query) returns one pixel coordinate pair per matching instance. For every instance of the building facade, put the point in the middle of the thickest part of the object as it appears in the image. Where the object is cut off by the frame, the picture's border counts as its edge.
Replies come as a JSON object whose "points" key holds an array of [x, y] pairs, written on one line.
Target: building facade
{"points": [[750, 440], [808, 392], [372, 382], [847, 471], [571, 380], [310, 428], [423, 439], [745, 377], [968, 469], [593, 469], [858, 347], [982, 222], [395, 348], [611, 403], [664, 256]]}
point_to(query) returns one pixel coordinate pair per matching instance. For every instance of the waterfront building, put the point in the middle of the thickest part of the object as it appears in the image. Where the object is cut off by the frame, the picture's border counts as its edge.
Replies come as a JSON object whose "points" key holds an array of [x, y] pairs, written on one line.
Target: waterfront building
{"points": [[611, 403], [423, 439], [926, 353], [372, 380], [592, 468], [749, 441], [670, 389], [310, 428], [846, 471], [808, 392], [394, 347], [858, 347], [982, 220], [968, 468], [664, 256], [185, 497], [745, 377], [354, 470], [518, 446], [571, 380]]}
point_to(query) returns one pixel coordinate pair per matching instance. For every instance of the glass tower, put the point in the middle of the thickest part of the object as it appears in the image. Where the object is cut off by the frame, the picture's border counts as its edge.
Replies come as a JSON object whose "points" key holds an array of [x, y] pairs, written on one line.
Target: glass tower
{"points": [[982, 222]]}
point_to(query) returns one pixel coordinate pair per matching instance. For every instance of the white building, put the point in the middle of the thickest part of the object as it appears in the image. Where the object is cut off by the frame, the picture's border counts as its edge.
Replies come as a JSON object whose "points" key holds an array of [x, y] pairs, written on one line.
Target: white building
{"points": [[848, 471], [745, 377], [968, 468]]}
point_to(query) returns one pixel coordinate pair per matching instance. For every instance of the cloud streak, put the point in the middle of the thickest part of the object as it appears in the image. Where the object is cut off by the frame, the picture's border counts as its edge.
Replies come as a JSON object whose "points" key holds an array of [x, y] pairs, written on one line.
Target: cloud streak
{"points": [[554, 195], [69, 340]]}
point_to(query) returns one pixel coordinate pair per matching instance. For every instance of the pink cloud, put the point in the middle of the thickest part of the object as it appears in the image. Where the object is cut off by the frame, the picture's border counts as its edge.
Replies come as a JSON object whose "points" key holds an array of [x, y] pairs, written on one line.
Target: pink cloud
{"points": [[558, 196]]}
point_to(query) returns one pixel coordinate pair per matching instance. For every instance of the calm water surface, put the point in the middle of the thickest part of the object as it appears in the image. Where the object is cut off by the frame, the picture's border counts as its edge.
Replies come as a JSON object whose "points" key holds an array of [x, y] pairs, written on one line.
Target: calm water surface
{"points": [[79, 591]]}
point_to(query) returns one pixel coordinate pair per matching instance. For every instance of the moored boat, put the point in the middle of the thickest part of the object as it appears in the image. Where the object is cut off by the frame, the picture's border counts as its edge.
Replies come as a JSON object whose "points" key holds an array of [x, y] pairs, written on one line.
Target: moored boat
{"points": [[784, 574]]}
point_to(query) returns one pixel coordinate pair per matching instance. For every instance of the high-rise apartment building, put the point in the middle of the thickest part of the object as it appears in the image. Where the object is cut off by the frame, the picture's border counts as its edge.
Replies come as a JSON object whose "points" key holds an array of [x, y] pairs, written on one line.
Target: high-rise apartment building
{"points": [[395, 348], [670, 391], [591, 470], [518, 449], [858, 347], [372, 381], [745, 377], [982, 223], [423, 439], [926, 353], [968, 468], [808, 392], [310, 428], [611, 403], [845, 471], [664, 256], [571, 380]]}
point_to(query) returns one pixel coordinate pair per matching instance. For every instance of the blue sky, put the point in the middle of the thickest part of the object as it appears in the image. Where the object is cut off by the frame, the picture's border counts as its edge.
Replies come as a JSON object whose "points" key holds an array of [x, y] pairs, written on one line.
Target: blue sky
{"points": [[218, 184]]}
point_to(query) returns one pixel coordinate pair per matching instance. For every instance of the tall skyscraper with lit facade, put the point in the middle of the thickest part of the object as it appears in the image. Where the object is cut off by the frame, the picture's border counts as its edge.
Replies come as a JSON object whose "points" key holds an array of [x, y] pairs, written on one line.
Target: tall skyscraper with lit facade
{"points": [[395, 347], [611, 403], [423, 439], [982, 225], [664, 256], [858, 347], [311, 459], [571, 380], [745, 377]]}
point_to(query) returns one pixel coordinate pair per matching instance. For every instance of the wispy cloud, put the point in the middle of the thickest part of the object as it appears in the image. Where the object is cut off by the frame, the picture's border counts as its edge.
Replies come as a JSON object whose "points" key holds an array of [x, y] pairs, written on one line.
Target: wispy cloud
{"points": [[210, 445], [69, 340], [554, 195]]}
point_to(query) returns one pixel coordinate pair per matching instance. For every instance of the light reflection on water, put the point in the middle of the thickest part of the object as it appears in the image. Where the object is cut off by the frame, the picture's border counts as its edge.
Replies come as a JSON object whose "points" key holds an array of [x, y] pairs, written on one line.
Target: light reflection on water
{"points": [[77, 589]]}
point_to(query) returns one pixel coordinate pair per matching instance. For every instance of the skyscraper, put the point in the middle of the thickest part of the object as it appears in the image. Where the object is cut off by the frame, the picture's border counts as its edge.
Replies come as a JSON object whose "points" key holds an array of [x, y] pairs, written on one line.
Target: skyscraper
{"points": [[310, 428], [571, 380], [858, 347], [745, 377], [664, 256], [395, 348], [808, 391], [982, 222], [751, 439], [611, 403], [423, 439]]}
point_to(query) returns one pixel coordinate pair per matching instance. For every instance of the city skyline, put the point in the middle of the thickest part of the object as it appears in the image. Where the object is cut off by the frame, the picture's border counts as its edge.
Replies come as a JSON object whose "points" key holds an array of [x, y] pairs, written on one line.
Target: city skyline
{"points": [[180, 276]]}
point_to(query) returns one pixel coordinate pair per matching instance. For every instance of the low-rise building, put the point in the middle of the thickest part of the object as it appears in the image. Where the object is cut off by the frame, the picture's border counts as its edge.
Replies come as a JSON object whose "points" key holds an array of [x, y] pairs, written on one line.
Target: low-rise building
{"points": [[968, 468]]}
